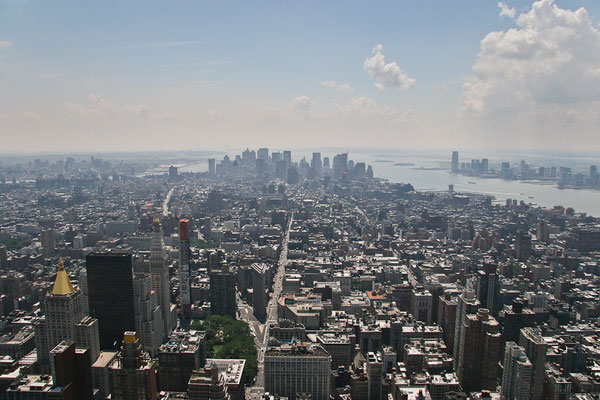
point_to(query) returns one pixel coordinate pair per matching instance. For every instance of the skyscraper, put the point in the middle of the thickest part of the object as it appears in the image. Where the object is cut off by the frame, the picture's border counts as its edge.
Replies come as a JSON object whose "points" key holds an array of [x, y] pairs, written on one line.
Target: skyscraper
{"points": [[72, 366], [65, 318], [535, 348], [132, 374], [47, 239], [487, 286], [523, 245], [159, 271], [263, 153], [184, 266], [110, 293], [454, 169], [211, 167], [479, 356], [516, 374], [259, 289], [316, 163], [467, 304], [148, 317], [173, 174], [222, 293]]}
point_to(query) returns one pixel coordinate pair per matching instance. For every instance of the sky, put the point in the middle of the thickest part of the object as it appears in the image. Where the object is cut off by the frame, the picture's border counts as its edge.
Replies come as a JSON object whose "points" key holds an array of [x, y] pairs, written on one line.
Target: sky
{"points": [[152, 75]]}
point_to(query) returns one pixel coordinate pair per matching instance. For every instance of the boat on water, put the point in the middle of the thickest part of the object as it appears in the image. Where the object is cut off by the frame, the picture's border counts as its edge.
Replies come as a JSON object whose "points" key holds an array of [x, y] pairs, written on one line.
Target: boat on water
{"points": [[471, 183]]}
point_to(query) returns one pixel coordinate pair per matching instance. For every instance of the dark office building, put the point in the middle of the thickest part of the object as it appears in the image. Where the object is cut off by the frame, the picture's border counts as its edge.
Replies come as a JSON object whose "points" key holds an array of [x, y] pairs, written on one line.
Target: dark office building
{"points": [[110, 293], [222, 293], [71, 366]]}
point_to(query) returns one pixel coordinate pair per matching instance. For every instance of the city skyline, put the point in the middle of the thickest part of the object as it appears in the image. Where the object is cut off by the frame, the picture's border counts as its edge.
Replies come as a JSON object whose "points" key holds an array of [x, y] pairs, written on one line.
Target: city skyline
{"points": [[91, 77]]}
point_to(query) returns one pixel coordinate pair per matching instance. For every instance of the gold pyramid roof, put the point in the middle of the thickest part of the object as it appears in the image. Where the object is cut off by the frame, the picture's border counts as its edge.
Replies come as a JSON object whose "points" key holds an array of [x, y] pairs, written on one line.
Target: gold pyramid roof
{"points": [[62, 284]]}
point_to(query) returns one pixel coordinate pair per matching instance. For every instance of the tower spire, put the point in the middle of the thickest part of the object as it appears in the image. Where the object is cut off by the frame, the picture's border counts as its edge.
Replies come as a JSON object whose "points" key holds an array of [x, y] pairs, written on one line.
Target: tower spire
{"points": [[62, 284]]}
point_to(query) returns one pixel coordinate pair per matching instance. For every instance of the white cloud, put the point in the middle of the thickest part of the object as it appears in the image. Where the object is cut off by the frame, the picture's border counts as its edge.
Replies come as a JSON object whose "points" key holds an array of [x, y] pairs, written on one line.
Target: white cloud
{"points": [[506, 11], [301, 104], [539, 74], [362, 107], [5, 44], [386, 76], [342, 87], [97, 108]]}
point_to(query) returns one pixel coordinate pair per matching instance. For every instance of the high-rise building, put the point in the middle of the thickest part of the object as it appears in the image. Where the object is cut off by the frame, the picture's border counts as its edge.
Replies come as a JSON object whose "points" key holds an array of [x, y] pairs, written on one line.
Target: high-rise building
{"points": [[316, 162], [215, 201], [222, 292], [211, 167], [110, 295], [183, 353], [173, 174], [72, 367], [535, 348], [287, 157], [65, 318], [374, 375], [455, 169], [259, 289], [523, 245], [132, 374], [480, 354], [47, 239], [148, 317], [467, 304], [184, 266], [263, 153], [297, 368], [516, 373], [208, 384], [159, 272], [340, 164], [281, 169], [487, 286]]}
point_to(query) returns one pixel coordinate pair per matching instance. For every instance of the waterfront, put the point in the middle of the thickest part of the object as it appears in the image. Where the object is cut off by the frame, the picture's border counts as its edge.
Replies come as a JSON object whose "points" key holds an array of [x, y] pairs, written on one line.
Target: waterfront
{"points": [[429, 171]]}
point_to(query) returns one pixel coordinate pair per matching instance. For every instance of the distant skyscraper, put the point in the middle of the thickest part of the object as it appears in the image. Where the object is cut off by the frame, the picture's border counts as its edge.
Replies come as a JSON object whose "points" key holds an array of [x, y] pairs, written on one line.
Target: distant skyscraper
{"points": [[184, 266], [287, 157], [211, 167], [215, 201], [340, 164], [454, 167], [110, 295], [263, 153], [132, 374], [516, 374], [65, 318], [47, 239], [316, 163], [159, 271], [173, 174]]}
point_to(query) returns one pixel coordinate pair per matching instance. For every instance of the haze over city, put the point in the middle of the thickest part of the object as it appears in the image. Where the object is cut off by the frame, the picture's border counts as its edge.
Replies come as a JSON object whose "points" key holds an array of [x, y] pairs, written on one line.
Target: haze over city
{"points": [[174, 75], [299, 200]]}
